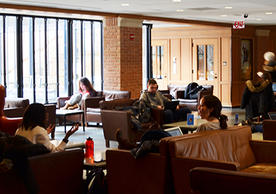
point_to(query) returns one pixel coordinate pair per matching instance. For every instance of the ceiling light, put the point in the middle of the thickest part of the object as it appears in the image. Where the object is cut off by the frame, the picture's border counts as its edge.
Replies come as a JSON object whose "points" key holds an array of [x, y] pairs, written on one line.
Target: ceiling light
{"points": [[227, 7], [268, 13], [176, 1], [259, 19], [179, 10], [125, 4], [223, 15]]}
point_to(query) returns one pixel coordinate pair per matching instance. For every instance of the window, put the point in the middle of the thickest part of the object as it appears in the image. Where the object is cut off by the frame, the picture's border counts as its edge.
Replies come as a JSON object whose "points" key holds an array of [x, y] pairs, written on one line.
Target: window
{"points": [[205, 62], [42, 69]]}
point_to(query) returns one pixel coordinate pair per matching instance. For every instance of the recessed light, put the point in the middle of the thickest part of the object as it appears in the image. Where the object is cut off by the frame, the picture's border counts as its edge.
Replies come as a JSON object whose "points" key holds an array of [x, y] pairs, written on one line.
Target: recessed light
{"points": [[223, 15], [259, 19], [179, 10], [227, 7], [125, 4], [268, 13], [176, 1]]}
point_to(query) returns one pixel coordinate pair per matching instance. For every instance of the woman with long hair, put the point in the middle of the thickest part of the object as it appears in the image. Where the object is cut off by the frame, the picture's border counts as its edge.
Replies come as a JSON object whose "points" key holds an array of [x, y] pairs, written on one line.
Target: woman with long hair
{"points": [[210, 109], [85, 89], [34, 128]]}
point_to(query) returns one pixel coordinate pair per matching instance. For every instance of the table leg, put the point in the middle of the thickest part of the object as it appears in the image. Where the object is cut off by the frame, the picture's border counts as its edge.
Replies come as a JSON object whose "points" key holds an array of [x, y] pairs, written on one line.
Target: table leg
{"points": [[83, 123], [64, 122]]}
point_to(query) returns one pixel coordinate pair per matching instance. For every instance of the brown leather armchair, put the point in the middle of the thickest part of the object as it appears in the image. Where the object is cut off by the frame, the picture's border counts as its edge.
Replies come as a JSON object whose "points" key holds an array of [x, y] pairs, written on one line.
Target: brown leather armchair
{"points": [[217, 181], [90, 105], [55, 173], [15, 107], [116, 119], [177, 91]]}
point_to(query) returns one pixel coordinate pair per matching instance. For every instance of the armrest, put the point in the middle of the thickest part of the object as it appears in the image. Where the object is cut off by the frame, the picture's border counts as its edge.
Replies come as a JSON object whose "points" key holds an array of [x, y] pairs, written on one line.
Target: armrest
{"points": [[157, 115], [181, 167], [210, 180], [61, 101], [14, 111], [269, 132], [264, 151], [92, 102]]}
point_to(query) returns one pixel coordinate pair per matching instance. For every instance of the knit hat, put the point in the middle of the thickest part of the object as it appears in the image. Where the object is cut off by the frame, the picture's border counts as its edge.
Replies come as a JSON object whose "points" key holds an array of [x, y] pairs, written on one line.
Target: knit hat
{"points": [[269, 56]]}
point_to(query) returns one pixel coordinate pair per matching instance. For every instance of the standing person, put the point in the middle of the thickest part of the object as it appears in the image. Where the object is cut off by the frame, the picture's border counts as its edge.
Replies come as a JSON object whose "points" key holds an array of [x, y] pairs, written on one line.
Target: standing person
{"points": [[85, 89], [210, 109], [270, 67], [154, 99], [33, 128]]}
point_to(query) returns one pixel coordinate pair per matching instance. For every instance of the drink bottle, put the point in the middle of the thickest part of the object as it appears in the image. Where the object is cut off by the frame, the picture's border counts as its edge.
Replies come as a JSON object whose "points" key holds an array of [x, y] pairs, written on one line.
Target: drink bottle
{"points": [[89, 147]]}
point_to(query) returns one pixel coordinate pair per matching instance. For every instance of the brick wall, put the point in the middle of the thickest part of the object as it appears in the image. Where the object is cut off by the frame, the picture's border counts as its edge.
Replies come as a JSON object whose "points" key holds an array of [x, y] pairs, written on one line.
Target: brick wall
{"points": [[122, 57]]}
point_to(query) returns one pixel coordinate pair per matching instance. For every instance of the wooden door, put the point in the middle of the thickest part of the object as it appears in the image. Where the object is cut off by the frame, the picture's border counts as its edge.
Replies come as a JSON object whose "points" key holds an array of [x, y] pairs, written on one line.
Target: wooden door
{"points": [[205, 63], [160, 62]]}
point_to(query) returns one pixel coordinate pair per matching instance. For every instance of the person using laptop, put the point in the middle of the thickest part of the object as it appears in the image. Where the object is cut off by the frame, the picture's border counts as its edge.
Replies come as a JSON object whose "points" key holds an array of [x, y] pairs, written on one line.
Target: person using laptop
{"points": [[210, 109], [154, 99]]}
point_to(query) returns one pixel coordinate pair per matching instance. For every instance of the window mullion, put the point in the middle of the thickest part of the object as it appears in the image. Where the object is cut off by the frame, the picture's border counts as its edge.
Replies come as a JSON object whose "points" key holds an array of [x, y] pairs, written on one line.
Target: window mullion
{"points": [[46, 60], [4, 52], [92, 54], [57, 56]]}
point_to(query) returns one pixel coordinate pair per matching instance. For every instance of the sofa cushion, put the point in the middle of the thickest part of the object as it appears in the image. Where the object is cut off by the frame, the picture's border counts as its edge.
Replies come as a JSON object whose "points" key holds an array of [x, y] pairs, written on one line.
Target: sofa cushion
{"points": [[93, 110], [261, 168], [231, 145], [181, 100], [174, 88]]}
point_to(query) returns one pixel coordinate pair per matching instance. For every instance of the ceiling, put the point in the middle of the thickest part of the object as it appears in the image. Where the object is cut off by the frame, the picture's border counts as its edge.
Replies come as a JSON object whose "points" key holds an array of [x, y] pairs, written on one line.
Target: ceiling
{"points": [[226, 11]]}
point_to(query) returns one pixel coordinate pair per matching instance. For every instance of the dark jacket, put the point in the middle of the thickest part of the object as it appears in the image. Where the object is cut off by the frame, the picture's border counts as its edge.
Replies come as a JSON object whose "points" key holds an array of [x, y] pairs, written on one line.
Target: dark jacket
{"points": [[271, 68], [257, 100]]}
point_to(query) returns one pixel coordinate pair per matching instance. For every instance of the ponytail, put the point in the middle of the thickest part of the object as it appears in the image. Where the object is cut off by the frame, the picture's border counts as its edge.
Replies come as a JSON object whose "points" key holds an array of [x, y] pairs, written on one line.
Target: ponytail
{"points": [[223, 121]]}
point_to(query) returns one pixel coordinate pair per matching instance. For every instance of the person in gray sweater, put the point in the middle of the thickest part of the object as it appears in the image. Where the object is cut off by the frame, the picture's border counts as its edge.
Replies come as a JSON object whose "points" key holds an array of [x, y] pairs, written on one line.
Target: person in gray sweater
{"points": [[154, 99]]}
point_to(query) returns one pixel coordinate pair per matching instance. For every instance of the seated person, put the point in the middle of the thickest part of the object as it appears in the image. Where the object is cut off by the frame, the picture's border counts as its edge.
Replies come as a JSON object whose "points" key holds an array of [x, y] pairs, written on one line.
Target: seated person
{"points": [[85, 89], [33, 128], [258, 98], [210, 109], [7, 125], [154, 99]]}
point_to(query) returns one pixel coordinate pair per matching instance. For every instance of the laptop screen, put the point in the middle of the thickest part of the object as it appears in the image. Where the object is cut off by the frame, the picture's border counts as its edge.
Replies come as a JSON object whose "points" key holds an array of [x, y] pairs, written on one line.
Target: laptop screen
{"points": [[174, 131], [272, 115]]}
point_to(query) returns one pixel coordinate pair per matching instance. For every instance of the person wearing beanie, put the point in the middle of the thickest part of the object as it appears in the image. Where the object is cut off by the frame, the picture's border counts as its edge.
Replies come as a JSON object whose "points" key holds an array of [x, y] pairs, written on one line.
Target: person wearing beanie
{"points": [[270, 67]]}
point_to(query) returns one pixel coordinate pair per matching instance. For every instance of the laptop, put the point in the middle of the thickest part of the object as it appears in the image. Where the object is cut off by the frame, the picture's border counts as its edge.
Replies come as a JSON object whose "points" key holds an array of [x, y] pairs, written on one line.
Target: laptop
{"points": [[171, 105], [174, 131], [272, 115]]}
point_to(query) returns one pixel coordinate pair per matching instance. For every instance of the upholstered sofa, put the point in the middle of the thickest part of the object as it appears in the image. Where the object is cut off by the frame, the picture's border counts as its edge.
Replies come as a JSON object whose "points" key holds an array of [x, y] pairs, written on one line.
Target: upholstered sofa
{"points": [[55, 173], [177, 92], [168, 172], [90, 105], [114, 119], [217, 181], [15, 107]]}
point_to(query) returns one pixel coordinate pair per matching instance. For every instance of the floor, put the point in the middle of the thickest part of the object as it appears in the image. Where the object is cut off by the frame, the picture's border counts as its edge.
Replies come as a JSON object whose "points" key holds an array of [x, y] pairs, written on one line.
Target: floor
{"points": [[99, 142]]}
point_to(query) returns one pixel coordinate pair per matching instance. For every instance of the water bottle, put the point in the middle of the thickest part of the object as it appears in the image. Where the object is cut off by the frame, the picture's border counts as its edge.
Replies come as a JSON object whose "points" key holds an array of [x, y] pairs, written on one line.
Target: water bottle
{"points": [[89, 148], [236, 118]]}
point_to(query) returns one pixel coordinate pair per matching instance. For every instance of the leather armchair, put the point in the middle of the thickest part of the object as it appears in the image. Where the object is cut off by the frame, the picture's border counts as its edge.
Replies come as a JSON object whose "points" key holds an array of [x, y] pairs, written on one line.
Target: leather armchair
{"points": [[177, 91], [269, 132], [15, 107], [217, 181], [55, 173], [116, 119]]}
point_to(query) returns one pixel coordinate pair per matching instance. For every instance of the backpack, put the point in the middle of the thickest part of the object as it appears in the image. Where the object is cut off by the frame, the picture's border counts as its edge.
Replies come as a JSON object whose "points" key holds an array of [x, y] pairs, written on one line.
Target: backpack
{"points": [[191, 87]]}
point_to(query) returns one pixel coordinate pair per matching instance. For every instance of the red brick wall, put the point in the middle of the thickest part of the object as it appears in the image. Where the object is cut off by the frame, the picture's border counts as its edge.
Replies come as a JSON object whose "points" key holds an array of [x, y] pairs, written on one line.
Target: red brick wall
{"points": [[122, 58]]}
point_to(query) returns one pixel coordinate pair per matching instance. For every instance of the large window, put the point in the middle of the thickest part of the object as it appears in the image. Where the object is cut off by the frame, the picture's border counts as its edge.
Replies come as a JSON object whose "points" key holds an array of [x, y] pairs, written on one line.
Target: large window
{"points": [[42, 58]]}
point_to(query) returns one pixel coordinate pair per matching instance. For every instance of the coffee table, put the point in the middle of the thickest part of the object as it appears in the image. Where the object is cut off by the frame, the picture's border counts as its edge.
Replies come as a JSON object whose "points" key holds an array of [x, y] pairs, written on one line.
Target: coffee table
{"points": [[184, 126], [65, 113]]}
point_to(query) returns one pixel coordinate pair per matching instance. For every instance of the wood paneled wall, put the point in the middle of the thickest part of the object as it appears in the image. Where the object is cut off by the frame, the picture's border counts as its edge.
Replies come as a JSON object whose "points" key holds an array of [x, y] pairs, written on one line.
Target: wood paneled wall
{"points": [[180, 46], [230, 85]]}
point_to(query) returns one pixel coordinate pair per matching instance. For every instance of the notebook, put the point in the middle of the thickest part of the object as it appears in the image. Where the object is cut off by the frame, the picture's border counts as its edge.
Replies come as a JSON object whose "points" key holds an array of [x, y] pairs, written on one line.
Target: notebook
{"points": [[174, 131], [272, 115]]}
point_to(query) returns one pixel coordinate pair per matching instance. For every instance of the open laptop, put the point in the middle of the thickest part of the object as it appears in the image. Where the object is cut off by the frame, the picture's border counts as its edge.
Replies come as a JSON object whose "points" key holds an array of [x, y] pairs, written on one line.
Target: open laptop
{"points": [[272, 115], [171, 105], [174, 131]]}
